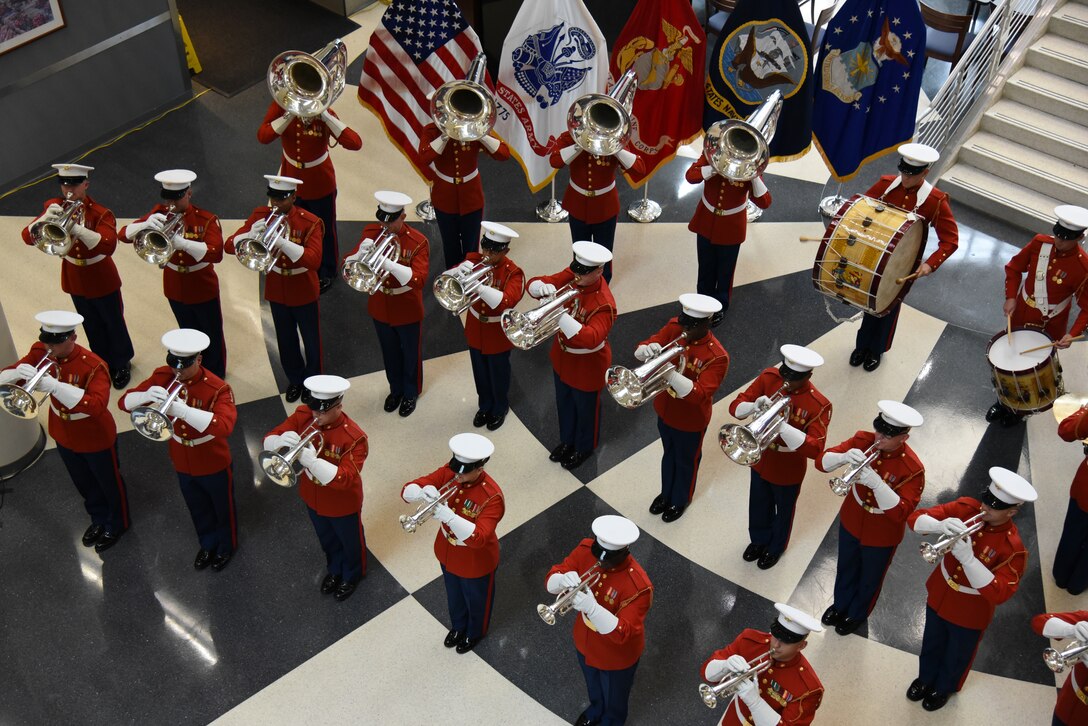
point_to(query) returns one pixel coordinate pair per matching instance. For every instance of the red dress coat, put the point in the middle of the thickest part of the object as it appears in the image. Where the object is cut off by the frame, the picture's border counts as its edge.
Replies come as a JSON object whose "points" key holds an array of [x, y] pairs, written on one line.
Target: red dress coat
{"points": [[998, 548], [185, 280], [291, 283], [480, 502], [393, 303], [602, 201], [1074, 428], [345, 444], [1065, 277], [791, 688], [88, 426], [706, 364], [88, 272], [482, 329], [810, 412], [860, 514], [197, 453], [936, 213], [595, 309], [625, 592], [457, 187], [1072, 706], [720, 215], [305, 144]]}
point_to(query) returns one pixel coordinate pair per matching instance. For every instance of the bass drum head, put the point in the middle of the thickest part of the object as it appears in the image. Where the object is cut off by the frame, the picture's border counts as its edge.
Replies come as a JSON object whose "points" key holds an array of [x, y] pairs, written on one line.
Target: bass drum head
{"points": [[902, 260]]}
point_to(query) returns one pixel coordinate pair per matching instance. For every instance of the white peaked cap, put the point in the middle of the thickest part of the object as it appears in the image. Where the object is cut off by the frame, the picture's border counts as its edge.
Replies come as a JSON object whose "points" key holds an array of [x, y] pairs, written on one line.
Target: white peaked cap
{"points": [[797, 621], [614, 532], [919, 154], [73, 171], [1010, 487], [326, 387], [282, 183], [58, 321], [392, 202], [1071, 217], [899, 414], [699, 306], [800, 358], [470, 448], [185, 342], [591, 254], [175, 179], [498, 232]]}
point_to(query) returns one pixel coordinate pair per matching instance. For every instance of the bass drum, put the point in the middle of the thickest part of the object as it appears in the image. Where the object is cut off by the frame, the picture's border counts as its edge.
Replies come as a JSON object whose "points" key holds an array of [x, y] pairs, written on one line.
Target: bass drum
{"points": [[1025, 382]]}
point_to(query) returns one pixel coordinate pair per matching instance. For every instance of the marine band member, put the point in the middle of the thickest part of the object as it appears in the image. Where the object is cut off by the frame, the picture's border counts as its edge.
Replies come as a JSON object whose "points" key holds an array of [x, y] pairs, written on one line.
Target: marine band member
{"points": [[1071, 558], [1072, 705]]}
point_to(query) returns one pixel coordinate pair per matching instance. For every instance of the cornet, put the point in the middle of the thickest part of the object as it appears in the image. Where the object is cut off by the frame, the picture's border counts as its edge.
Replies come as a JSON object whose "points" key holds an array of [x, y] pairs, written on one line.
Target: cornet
{"points": [[19, 401], [527, 330], [367, 273], [565, 600], [152, 422], [425, 511], [280, 465], [260, 252], [932, 552], [1059, 660], [53, 235], [457, 292], [465, 110], [600, 123], [745, 443], [155, 246], [632, 388], [840, 485], [727, 688], [740, 150]]}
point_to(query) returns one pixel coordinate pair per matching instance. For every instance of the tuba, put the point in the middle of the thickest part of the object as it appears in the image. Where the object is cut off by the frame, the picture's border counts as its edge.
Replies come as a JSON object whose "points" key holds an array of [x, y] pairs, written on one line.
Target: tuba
{"points": [[260, 252], [727, 688], [740, 150], [156, 246], [1059, 660], [307, 85], [457, 292], [745, 443], [527, 330], [600, 123], [366, 274], [465, 110], [152, 422], [280, 465], [19, 401], [53, 235], [565, 600], [841, 484], [423, 514], [632, 388], [933, 552]]}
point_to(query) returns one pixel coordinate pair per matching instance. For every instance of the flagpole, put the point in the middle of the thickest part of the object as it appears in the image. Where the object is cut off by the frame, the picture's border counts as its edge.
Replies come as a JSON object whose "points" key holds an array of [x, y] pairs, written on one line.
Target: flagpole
{"points": [[647, 210], [551, 211], [830, 205], [425, 210]]}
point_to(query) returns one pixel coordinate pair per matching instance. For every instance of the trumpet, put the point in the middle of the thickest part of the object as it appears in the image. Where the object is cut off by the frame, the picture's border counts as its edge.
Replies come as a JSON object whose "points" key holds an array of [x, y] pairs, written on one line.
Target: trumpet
{"points": [[932, 552], [599, 123], [425, 511], [632, 388], [727, 687], [465, 110], [259, 252], [740, 150], [745, 443], [156, 246], [152, 422], [564, 601], [841, 484], [307, 85], [366, 274], [19, 401], [53, 235], [280, 465], [527, 330], [1059, 660], [457, 292]]}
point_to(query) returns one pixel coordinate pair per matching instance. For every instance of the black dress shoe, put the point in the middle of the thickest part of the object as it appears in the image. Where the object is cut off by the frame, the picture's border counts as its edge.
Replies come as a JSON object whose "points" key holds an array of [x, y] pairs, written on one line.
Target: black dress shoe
{"points": [[107, 540], [575, 459], [479, 419], [344, 591], [584, 720], [753, 552], [494, 423], [857, 357], [560, 452], [935, 701], [325, 284], [121, 377], [391, 402], [831, 616], [671, 513], [995, 412], [872, 361], [220, 561], [848, 625], [407, 406], [768, 560], [918, 690], [1011, 418], [716, 318], [203, 559], [453, 638], [92, 534], [329, 584], [657, 506], [466, 645], [294, 392]]}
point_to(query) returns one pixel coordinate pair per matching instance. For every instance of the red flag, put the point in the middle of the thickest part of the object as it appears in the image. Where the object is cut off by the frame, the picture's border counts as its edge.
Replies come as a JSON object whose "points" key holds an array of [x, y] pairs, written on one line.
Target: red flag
{"points": [[665, 44]]}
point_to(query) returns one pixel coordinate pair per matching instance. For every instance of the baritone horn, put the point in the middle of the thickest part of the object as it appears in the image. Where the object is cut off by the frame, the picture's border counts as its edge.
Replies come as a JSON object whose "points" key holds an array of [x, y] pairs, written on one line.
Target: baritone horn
{"points": [[529, 329], [457, 292], [740, 150], [840, 485], [745, 443], [727, 688], [367, 274], [1059, 660], [932, 552], [307, 85], [20, 401], [600, 123], [152, 422], [281, 465], [53, 235], [632, 388], [465, 110], [259, 252], [424, 513], [565, 600], [155, 245]]}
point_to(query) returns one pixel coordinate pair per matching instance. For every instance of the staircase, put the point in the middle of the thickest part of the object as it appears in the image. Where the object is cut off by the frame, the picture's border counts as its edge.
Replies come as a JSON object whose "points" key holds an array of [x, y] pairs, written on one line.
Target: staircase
{"points": [[1030, 152]]}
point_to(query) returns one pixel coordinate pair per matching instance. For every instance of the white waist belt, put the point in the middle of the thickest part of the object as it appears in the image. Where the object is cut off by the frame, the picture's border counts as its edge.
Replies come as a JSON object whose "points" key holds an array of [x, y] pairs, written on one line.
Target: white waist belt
{"points": [[288, 271], [455, 179], [955, 585], [68, 416], [582, 351], [724, 212], [1054, 311], [866, 507], [186, 268], [593, 192], [307, 164], [395, 290], [193, 442], [83, 263], [484, 318]]}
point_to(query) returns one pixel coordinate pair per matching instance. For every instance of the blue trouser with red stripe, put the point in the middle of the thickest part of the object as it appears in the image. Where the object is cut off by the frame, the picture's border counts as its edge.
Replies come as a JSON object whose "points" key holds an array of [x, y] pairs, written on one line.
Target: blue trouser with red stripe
{"points": [[859, 575], [97, 476], [947, 653], [207, 317], [291, 321], [876, 334], [609, 692], [402, 357], [603, 233], [469, 600], [325, 209], [1071, 557], [491, 372], [460, 234], [717, 266], [579, 416], [679, 463], [344, 544], [210, 499], [104, 323], [770, 513]]}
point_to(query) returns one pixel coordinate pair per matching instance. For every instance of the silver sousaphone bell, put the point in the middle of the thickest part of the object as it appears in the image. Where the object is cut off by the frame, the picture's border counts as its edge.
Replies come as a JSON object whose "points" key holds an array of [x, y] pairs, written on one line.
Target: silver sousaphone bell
{"points": [[600, 123], [308, 84], [465, 110], [740, 150]]}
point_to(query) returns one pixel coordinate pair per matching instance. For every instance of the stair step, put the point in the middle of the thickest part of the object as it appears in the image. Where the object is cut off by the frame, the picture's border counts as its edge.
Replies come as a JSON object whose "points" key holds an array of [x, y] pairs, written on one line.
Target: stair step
{"points": [[1049, 93], [1071, 20], [1038, 130], [975, 188], [1012, 161], [1061, 56]]}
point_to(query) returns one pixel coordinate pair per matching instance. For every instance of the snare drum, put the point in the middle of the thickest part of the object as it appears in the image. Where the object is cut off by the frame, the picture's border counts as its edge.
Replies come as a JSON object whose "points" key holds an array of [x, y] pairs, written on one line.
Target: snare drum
{"points": [[867, 246], [1025, 382]]}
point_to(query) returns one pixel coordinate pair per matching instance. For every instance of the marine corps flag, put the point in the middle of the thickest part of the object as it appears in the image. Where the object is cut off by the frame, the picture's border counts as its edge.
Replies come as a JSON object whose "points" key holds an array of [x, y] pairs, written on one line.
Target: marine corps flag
{"points": [[553, 55], [868, 81], [665, 44], [763, 48]]}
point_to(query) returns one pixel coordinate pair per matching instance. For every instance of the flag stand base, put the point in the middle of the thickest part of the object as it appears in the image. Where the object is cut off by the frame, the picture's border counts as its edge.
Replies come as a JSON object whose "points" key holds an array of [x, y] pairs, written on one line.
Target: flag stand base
{"points": [[552, 211], [644, 211], [753, 212], [830, 205], [425, 211]]}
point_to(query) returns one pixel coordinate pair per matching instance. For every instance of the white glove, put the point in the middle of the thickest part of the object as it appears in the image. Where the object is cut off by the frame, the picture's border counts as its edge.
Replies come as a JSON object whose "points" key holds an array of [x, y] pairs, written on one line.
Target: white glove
{"points": [[156, 220], [762, 713], [561, 581], [885, 497], [53, 211], [464, 267], [194, 248], [47, 384], [66, 393], [402, 273], [291, 249], [443, 514], [568, 153], [290, 439], [870, 478], [569, 325], [490, 296], [539, 289], [490, 143], [1059, 629], [136, 227], [430, 493], [963, 551], [736, 663], [976, 572], [412, 493], [758, 187], [280, 125], [707, 171], [439, 144], [792, 437], [643, 353], [654, 350], [626, 158], [952, 526], [603, 620], [763, 402], [88, 237], [716, 670], [11, 375], [336, 126], [307, 456], [745, 409], [833, 460], [157, 394], [856, 457], [198, 418], [681, 385], [25, 371], [321, 471], [1081, 631], [258, 227], [178, 409]]}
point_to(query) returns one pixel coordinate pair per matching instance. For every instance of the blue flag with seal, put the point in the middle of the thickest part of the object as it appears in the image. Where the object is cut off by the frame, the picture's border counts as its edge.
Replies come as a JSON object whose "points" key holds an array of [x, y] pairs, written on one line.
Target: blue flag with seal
{"points": [[763, 48], [869, 78]]}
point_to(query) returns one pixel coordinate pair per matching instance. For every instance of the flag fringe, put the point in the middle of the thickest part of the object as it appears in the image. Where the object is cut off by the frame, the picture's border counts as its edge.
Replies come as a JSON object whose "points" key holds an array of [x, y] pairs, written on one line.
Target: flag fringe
{"points": [[871, 157]]}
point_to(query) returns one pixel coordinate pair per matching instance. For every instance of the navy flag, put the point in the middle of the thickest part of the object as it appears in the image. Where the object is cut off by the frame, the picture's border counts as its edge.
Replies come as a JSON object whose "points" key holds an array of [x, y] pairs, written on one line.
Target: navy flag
{"points": [[763, 48], [868, 80]]}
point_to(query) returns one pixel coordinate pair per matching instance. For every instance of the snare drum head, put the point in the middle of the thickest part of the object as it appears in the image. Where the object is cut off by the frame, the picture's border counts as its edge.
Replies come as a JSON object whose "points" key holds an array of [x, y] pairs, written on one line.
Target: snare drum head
{"points": [[1006, 357]]}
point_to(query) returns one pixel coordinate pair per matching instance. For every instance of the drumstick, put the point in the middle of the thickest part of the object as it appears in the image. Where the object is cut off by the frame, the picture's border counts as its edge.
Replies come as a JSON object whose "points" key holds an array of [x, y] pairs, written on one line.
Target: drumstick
{"points": [[1048, 345], [901, 280], [810, 239], [1008, 328]]}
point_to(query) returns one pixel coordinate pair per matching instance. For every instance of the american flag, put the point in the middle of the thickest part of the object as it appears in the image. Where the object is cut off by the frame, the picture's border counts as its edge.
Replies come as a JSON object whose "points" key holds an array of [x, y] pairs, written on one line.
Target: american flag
{"points": [[418, 46]]}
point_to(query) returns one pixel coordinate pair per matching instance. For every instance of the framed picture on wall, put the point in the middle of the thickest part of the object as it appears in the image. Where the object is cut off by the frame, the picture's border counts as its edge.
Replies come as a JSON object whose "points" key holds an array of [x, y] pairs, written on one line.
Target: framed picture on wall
{"points": [[23, 21]]}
